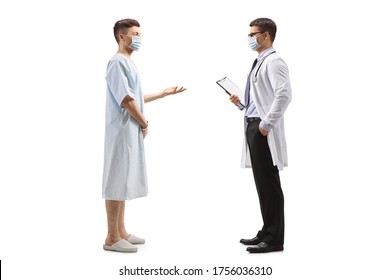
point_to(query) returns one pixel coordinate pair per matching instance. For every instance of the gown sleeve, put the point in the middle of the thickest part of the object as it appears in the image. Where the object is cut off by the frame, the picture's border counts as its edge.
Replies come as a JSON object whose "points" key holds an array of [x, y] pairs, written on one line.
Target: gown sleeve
{"points": [[118, 82]]}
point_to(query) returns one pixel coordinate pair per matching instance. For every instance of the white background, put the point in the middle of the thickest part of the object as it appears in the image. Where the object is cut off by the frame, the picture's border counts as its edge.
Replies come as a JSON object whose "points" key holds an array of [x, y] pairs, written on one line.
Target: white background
{"points": [[52, 101]]}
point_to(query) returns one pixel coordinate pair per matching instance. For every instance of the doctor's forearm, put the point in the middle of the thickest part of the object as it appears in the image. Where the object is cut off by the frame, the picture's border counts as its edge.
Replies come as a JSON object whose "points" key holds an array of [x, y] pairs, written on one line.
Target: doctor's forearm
{"points": [[276, 111]]}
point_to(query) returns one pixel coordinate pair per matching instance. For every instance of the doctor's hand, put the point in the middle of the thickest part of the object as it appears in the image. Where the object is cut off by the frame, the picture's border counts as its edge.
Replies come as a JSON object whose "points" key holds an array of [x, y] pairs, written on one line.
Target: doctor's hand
{"points": [[234, 99], [173, 90], [263, 131]]}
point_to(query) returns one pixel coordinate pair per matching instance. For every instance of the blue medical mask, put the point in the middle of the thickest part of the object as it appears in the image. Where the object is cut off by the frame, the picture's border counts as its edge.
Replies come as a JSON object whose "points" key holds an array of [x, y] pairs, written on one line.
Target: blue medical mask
{"points": [[135, 43], [252, 41]]}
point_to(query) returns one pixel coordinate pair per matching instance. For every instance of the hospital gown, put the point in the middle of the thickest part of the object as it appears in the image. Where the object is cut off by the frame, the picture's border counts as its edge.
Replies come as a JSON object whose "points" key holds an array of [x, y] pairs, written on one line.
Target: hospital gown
{"points": [[124, 175]]}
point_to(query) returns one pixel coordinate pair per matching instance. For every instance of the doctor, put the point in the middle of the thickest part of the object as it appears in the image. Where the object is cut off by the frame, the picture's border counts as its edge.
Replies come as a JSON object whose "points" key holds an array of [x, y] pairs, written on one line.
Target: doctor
{"points": [[124, 174], [267, 95]]}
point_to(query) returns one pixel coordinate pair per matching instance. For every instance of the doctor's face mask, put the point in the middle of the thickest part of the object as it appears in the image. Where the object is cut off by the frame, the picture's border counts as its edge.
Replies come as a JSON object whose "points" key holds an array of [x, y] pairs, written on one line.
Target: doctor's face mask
{"points": [[252, 40]]}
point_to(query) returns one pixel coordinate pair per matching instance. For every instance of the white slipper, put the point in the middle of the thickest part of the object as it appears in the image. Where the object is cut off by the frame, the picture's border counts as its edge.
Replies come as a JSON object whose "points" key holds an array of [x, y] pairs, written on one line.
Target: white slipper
{"points": [[135, 240], [121, 246]]}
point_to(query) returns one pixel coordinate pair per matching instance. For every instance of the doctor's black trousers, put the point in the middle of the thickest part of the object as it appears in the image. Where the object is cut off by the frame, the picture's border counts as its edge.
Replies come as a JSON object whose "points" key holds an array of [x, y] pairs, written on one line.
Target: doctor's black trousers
{"points": [[267, 182]]}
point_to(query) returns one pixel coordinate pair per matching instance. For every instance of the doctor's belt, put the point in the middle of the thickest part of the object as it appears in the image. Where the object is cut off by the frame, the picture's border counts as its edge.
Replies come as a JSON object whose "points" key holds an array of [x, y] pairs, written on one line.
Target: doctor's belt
{"points": [[248, 120]]}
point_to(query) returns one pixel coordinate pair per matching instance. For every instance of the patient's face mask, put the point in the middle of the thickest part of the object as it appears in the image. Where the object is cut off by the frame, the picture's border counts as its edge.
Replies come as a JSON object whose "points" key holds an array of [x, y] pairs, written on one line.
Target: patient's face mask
{"points": [[135, 43]]}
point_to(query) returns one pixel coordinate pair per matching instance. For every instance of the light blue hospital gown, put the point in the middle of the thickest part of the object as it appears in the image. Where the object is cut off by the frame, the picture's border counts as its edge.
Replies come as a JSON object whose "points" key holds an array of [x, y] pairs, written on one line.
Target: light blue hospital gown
{"points": [[124, 175]]}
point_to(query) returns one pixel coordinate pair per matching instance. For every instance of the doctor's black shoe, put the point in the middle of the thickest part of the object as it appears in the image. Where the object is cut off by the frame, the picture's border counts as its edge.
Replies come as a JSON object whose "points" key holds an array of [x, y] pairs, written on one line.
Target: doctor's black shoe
{"points": [[265, 248], [255, 240]]}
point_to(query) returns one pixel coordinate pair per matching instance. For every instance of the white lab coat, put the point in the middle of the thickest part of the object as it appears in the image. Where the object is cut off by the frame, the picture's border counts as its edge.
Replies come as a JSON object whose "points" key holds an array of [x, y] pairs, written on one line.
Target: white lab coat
{"points": [[271, 93], [124, 173]]}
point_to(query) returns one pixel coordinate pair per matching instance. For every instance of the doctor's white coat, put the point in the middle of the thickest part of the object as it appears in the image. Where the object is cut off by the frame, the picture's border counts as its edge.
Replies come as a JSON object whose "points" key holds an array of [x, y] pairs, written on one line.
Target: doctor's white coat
{"points": [[270, 90]]}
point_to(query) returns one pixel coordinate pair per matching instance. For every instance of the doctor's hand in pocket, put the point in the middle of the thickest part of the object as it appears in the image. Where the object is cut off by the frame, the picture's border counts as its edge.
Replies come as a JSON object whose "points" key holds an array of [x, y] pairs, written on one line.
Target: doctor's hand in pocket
{"points": [[234, 99], [263, 131]]}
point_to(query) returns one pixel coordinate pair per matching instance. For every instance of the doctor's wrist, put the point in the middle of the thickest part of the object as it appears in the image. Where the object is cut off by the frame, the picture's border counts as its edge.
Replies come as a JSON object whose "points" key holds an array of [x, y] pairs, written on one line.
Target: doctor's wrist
{"points": [[266, 126]]}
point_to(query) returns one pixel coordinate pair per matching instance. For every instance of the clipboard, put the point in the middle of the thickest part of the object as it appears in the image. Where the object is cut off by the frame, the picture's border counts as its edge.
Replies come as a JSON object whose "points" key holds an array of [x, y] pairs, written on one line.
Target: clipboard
{"points": [[231, 88]]}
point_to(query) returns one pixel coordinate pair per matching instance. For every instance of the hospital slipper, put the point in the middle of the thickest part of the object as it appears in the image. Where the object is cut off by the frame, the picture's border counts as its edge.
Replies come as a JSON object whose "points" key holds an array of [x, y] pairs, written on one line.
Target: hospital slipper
{"points": [[135, 240], [121, 246]]}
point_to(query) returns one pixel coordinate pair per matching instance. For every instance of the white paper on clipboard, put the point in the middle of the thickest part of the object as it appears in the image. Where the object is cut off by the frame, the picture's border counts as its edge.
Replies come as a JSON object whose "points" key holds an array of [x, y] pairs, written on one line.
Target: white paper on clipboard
{"points": [[231, 88]]}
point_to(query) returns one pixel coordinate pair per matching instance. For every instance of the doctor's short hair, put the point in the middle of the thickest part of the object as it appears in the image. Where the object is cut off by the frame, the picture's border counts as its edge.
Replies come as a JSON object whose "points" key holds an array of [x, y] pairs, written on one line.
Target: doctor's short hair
{"points": [[265, 24], [123, 24]]}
